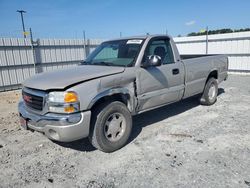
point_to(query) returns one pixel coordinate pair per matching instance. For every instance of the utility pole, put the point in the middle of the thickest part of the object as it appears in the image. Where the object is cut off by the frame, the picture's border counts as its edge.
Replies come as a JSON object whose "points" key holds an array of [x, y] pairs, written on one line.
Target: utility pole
{"points": [[31, 36], [84, 43], [120, 34], [33, 50], [207, 40], [22, 12]]}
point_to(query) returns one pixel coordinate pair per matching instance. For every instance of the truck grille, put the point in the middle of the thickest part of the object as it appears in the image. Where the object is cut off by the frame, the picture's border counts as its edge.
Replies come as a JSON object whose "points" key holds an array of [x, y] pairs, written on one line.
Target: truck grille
{"points": [[33, 101]]}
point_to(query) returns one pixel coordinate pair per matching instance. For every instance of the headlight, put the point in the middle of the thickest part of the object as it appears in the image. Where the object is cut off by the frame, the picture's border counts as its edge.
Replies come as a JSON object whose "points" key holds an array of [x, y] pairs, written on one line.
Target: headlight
{"points": [[63, 102]]}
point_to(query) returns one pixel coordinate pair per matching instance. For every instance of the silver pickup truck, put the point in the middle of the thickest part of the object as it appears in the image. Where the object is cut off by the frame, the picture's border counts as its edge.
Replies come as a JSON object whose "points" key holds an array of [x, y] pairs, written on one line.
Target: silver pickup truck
{"points": [[120, 78]]}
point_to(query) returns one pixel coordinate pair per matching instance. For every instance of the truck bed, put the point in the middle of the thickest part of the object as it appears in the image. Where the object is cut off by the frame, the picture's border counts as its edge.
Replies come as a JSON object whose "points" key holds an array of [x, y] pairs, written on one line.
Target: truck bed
{"points": [[197, 70]]}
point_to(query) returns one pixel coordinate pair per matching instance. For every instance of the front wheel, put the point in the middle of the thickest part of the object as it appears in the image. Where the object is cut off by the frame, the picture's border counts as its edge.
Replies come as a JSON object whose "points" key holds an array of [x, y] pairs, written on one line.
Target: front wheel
{"points": [[111, 126], [210, 92]]}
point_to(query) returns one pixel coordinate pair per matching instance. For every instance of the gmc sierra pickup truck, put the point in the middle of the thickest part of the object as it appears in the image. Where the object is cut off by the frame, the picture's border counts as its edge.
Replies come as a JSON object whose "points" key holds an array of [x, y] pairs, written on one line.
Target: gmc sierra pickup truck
{"points": [[119, 79]]}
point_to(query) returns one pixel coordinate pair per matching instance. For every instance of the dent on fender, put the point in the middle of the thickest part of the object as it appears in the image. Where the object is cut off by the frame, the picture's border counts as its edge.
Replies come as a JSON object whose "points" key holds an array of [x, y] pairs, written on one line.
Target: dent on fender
{"points": [[113, 91], [118, 84]]}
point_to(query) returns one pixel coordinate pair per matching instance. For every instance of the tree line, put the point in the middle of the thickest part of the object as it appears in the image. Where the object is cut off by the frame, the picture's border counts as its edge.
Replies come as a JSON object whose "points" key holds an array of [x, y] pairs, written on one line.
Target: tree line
{"points": [[218, 31]]}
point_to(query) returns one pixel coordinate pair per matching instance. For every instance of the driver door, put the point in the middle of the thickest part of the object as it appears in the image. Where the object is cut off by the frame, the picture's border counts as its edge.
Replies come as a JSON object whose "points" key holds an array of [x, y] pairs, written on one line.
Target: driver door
{"points": [[159, 85]]}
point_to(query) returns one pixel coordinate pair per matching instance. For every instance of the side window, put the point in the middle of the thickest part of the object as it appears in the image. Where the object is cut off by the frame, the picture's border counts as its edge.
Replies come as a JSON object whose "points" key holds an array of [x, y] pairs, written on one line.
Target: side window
{"points": [[161, 48], [169, 58]]}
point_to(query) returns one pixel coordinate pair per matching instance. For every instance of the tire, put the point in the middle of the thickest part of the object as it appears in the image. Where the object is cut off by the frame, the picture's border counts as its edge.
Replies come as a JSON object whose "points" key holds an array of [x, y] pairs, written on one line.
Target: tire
{"points": [[210, 92], [111, 125]]}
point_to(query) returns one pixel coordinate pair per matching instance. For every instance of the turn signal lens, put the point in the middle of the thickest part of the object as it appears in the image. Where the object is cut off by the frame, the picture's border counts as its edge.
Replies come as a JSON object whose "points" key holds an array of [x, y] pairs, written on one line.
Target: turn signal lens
{"points": [[69, 109], [70, 97]]}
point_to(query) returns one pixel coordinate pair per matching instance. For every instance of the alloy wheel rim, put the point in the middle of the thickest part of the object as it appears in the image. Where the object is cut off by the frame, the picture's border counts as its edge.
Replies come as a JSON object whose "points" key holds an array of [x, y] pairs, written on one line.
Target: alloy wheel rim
{"points": [[212, 92], [114, 127]]}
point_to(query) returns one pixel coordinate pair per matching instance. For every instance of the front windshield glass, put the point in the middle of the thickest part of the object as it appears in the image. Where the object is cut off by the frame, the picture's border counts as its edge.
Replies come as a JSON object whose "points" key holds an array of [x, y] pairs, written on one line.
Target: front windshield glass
{"points": [[115, 53]]}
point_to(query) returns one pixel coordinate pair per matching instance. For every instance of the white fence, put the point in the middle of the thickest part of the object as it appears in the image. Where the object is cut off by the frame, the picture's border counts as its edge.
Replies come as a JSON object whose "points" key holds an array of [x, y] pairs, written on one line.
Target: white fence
{"points": [[235, 45], [19, 59]]}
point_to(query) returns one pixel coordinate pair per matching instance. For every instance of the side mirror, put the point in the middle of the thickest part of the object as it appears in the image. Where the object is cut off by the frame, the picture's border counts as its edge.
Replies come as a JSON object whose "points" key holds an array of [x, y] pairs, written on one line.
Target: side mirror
{"points": [[152, 61]]}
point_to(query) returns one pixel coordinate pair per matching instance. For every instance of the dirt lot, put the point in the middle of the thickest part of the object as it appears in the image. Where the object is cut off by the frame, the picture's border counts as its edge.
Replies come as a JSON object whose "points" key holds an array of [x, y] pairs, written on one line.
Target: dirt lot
{"points": [[181, 145]]}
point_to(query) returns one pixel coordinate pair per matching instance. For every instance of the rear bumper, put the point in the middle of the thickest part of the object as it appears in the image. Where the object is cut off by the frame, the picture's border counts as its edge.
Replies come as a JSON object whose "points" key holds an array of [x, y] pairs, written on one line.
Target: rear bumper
{"points": [[59, 127]]}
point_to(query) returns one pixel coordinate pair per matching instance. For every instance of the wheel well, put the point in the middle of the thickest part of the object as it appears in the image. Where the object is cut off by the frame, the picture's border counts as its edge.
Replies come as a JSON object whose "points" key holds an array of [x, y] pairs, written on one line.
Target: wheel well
{"points": [[213, 74], [115, 97]]}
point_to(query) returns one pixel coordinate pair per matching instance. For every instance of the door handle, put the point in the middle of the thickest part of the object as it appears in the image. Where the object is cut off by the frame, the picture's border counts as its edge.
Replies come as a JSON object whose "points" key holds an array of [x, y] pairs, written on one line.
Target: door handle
{"points": [[175, 71]]}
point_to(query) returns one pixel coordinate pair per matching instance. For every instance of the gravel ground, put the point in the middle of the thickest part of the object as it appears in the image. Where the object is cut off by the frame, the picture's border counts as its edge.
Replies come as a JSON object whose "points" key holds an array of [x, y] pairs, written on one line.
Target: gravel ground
{"points": [[180, 145]]}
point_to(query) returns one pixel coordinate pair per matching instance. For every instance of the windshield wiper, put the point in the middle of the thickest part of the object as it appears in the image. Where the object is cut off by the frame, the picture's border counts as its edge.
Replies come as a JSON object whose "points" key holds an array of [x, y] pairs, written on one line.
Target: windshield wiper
{"points": [[84, 63], [104, 63]]}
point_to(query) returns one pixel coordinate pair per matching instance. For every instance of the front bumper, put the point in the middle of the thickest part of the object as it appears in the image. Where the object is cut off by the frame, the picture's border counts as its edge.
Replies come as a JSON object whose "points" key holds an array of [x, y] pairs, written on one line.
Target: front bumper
{"points": [[59, 127]]}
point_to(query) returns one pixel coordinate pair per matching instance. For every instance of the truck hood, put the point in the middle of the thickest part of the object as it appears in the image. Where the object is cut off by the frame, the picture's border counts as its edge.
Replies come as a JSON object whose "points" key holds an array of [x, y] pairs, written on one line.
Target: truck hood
{"points": [[61, 79]]}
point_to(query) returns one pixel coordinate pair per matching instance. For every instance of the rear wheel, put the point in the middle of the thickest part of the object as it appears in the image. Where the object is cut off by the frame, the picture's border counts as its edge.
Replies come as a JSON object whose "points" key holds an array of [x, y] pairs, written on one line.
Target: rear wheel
{"points": [[210, 92], [111, 126]]}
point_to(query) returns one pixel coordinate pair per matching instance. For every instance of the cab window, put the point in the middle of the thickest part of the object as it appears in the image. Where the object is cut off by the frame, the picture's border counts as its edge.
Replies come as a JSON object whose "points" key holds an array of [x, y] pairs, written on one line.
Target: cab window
{"points": [[162, 48]]}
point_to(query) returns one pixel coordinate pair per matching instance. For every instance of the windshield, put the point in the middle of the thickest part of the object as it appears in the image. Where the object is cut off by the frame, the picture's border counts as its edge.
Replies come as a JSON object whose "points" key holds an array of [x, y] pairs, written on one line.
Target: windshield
{"points": [[115, 53]]}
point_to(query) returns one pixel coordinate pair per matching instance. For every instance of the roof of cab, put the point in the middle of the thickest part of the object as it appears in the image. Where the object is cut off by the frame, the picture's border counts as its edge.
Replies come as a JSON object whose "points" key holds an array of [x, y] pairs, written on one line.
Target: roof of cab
{"points": [[138, 37]]}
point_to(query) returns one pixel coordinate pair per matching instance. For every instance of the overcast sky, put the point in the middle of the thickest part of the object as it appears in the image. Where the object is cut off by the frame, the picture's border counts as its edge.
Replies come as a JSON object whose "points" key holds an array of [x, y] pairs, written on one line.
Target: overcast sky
{"points": [[107, 18]]}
